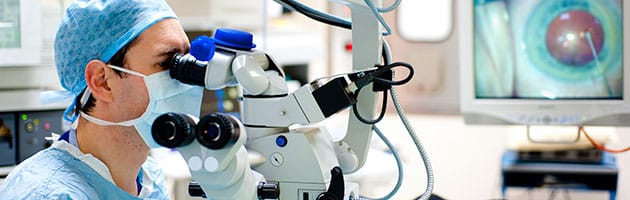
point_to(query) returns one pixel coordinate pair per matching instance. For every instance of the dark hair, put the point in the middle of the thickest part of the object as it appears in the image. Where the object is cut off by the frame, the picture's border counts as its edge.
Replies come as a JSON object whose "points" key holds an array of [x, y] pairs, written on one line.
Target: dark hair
{"points": [[118, 59]]}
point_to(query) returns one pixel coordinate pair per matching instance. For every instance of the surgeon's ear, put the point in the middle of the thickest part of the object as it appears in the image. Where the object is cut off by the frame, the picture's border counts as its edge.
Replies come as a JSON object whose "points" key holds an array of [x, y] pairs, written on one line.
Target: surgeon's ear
{"points": [[96, 78]]}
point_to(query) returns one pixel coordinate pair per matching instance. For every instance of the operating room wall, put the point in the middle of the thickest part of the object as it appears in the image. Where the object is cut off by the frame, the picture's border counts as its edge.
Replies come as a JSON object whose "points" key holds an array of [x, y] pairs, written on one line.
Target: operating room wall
{"points": [[435, 86]]}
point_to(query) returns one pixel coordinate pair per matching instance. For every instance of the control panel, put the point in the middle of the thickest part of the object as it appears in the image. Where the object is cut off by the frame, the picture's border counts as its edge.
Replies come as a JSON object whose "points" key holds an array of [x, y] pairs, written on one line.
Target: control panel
{"points": [[545, 119], [22, 134], [32, 129]]}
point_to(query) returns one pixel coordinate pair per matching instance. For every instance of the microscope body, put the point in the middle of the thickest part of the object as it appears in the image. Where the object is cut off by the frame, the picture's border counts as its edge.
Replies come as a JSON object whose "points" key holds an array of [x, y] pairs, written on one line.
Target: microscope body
{"points": [[293, 157], [297, 160]]}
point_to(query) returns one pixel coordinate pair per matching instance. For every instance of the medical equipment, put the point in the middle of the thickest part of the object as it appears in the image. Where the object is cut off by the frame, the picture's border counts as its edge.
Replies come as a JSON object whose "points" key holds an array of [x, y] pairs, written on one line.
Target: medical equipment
{"points": [[298, 161], [24, 122], [584, 78], [22, 133]]}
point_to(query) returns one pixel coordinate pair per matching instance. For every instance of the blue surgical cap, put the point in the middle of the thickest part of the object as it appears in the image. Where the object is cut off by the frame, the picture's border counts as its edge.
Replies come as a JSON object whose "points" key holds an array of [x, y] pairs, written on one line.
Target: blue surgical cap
{"points": [[97, 29]]}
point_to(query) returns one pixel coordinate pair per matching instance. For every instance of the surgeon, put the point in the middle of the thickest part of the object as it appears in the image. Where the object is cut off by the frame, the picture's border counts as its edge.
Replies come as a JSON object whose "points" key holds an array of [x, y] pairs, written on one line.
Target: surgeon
{"points": [[112, 56]]}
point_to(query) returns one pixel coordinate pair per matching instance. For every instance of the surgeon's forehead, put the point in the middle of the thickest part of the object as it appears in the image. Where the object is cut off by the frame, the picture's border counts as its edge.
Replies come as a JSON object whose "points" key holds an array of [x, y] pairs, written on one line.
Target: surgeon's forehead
{"points": [[165, 36], [156, 46]]}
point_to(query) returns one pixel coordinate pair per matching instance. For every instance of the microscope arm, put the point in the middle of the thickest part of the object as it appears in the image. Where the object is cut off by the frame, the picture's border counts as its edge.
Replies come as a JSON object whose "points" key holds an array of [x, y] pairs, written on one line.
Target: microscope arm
{"points": [[314, 103]]}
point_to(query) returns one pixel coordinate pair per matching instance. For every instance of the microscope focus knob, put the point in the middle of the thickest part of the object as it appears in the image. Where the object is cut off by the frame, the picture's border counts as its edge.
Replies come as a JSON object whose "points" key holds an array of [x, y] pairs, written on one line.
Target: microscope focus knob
{"points": [[173, 130], [217, 130], [336, 187]]}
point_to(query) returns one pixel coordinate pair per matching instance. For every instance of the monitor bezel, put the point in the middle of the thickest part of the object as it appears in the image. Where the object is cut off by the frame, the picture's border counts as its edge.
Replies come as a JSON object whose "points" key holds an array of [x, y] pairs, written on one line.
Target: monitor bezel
{"points": [[604, 112]]}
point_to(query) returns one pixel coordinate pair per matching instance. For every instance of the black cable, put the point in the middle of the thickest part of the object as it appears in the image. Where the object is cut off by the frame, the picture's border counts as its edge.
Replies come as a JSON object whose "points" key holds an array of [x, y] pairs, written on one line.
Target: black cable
{"points": [[382, 69], [394, 83], [374, 78], [330, 20], [374, 75], [355, 109]]}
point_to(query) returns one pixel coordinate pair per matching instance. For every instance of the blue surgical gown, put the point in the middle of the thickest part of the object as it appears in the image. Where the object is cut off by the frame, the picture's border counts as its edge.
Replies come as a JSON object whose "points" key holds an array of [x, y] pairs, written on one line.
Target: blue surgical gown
{"points": [[59, 172]]}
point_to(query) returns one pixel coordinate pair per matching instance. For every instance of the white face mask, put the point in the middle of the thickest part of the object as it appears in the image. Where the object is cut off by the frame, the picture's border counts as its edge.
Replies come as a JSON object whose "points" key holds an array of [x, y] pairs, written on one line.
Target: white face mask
{"points": [[165, 95]]}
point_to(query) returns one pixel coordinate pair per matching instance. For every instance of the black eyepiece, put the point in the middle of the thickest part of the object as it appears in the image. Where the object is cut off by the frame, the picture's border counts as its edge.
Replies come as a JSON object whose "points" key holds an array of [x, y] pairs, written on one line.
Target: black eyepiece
{"points": [[217, 130], [187, 69], [173, 130]]}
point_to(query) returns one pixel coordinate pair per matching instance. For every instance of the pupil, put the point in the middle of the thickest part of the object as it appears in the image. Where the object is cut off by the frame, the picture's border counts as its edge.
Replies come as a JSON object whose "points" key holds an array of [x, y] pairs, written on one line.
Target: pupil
{"points": [[575, 38]]}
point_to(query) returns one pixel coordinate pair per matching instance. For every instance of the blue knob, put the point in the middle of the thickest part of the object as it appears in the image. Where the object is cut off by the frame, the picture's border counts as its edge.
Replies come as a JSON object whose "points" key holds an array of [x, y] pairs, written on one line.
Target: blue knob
{"points": [[281, 141], [233, 38], [202, 48]]}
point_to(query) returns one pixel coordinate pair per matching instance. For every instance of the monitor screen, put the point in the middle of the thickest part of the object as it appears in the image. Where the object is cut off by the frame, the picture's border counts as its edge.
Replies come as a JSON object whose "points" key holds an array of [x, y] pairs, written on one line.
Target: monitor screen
{"points": [[552, 62]]}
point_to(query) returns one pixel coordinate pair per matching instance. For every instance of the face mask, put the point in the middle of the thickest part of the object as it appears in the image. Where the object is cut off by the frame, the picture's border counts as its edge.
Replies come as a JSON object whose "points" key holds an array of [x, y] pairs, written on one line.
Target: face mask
{"points": [[165, 95]]}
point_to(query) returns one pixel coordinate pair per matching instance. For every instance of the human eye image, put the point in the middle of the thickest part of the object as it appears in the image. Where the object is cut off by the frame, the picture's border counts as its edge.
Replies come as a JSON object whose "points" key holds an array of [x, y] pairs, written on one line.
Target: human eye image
{"points": [[548, 49]]}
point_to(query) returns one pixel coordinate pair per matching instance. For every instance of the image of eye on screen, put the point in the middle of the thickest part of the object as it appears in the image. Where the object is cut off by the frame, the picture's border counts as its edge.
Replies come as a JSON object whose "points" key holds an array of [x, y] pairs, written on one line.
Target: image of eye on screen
{"points": [[548, 49]]}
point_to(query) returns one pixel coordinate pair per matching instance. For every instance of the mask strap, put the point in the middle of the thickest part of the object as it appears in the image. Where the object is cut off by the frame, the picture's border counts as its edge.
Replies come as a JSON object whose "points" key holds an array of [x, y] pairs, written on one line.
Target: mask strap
{"points": [[85, 97], [101, 122], [127, 71], [106, 123], [69, 114]]}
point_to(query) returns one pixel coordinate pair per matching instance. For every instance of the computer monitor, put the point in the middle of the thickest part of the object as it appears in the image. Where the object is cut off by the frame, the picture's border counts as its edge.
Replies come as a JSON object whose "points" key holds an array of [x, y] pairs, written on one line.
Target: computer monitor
{"points": [[27, 31], [20, 33], [544, 62]]}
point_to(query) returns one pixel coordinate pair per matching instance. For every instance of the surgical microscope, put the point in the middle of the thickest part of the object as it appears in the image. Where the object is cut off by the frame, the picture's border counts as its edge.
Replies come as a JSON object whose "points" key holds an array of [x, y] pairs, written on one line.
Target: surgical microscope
{"points": [[278, 149]]}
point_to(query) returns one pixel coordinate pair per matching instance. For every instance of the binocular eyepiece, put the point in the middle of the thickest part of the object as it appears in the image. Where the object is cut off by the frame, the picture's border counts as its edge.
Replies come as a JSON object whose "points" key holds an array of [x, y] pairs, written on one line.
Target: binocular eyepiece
{"points": [[187, 69], [214, 131]]}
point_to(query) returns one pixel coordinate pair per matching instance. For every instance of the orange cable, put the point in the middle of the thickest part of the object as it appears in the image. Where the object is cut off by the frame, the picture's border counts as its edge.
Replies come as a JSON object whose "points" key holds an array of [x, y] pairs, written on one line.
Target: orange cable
{"points": [[599, 146]]}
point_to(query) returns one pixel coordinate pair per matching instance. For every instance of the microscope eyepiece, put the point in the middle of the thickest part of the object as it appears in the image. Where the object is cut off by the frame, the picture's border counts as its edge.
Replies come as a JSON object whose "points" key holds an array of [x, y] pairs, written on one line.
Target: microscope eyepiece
{"points": [[173, 130], [217, 130], [187, 69]]}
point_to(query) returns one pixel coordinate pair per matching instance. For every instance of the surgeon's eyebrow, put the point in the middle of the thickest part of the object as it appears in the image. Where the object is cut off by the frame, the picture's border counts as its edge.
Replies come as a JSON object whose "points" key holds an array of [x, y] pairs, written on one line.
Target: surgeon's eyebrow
{"points": [[165, 55], [168, 52]]}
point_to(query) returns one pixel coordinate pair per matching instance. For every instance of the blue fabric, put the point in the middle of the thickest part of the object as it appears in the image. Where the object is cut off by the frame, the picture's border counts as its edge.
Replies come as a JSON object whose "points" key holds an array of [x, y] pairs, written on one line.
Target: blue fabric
{"points": [[139, 181], [55, 174], [66, 137], [70, 137], [97, 29]]}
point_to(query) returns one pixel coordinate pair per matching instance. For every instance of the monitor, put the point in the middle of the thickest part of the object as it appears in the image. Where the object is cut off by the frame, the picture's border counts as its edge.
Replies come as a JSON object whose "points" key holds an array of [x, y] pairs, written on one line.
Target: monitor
{"points": [[544, 62], [27, 31], [20, 33]]}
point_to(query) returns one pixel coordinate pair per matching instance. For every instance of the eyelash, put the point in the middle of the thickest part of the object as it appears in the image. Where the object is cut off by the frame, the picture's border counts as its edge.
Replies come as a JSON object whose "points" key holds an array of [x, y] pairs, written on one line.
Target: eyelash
{"points": [[166, 64]]}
